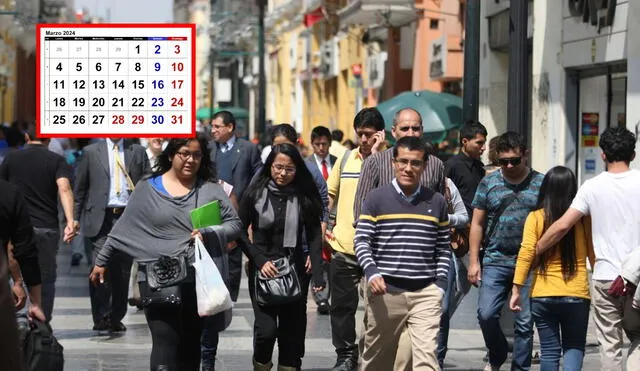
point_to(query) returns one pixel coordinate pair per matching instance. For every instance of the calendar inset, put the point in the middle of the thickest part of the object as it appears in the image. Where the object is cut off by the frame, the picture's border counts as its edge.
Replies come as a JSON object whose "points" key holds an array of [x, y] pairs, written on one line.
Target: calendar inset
{"points": [[115, 80]]}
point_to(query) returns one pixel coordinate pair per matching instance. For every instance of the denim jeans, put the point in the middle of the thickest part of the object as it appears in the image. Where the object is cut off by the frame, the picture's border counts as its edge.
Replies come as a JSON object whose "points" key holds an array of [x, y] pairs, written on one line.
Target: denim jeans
{"points": [[495, 287], [562, 326], [448, 308]]}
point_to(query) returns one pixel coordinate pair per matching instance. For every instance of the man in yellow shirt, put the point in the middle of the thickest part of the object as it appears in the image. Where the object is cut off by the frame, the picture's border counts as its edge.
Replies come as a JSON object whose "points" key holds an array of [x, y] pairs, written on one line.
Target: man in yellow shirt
{"points": [[345, 273]]}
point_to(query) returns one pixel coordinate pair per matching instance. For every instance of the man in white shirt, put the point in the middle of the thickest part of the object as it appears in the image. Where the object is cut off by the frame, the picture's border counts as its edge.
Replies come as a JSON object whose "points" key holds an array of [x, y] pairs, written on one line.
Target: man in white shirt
{"points": [[613, 200]]}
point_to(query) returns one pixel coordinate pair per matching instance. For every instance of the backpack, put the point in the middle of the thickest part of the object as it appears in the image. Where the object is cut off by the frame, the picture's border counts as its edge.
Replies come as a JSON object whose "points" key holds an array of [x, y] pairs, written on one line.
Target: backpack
{"points": [[42, 352]]}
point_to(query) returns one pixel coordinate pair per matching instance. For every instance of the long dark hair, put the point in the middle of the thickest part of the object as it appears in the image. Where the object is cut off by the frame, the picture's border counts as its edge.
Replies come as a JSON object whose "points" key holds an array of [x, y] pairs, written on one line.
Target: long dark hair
{"points": [[557, 191], [305, 187], [207, 171]]}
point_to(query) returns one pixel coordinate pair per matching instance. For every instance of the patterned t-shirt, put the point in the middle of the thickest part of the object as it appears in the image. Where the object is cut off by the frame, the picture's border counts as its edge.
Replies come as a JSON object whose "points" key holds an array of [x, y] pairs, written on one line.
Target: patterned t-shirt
{"points": [[504, 244]]}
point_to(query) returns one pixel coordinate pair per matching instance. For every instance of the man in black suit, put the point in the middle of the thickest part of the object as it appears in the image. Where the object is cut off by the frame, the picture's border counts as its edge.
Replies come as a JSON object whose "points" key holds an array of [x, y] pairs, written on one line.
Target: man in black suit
{"points": [[106, 176], [324, 162], [237, 160]]}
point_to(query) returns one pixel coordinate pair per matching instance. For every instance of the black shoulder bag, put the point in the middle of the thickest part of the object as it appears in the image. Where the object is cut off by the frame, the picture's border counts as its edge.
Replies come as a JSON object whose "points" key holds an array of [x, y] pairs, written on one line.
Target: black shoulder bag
{"points": [[283, 288], [164, 277], [42, 352]]}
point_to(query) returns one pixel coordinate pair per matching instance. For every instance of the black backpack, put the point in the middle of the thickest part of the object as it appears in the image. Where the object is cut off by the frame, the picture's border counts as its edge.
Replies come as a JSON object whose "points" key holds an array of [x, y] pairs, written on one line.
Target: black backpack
{"points": [[42, 352]]}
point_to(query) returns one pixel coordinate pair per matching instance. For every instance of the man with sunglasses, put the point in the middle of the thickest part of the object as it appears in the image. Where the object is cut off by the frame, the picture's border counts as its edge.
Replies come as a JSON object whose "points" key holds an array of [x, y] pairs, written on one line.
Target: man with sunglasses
{"points": [[502, 202]]}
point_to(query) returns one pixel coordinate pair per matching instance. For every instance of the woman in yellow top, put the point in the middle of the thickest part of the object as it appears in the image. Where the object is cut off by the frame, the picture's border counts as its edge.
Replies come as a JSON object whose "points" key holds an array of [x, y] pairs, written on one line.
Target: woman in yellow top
{"points": [[560, 288]]}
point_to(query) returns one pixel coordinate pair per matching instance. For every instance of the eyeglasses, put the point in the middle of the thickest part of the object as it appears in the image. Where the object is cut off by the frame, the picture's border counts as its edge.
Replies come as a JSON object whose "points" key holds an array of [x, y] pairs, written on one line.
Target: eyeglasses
{"points": [[404, 129], [415, 164], [186, 154], [514, 161], [280, 168]]}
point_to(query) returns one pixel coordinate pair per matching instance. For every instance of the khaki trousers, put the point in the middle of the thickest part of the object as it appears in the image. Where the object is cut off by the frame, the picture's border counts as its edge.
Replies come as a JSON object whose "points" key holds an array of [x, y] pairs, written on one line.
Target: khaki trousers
{"points": [[612, 317], [389, 315]]}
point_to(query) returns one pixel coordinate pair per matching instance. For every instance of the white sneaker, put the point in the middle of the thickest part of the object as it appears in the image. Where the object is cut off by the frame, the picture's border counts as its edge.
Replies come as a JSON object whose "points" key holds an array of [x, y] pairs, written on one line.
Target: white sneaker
{"points": [[489, 367]]}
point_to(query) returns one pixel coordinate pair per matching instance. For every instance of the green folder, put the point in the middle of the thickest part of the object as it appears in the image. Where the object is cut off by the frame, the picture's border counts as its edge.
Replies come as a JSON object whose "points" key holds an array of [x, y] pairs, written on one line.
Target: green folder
{"points": [[206, 215]]}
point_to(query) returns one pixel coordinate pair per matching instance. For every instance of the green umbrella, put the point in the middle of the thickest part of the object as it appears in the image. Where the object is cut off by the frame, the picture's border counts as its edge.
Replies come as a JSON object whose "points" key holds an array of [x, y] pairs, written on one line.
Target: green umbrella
{"points": [[204, 113], [440, 112]]}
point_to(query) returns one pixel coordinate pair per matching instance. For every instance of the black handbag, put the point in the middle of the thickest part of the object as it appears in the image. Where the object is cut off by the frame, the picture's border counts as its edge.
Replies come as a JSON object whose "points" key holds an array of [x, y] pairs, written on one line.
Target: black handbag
{"points": [[41, 349], [284, 288], [164, 277]]}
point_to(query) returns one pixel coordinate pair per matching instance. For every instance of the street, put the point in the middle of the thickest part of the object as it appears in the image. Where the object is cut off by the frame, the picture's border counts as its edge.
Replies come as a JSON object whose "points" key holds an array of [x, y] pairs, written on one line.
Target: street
{"points": [[85, 351]]}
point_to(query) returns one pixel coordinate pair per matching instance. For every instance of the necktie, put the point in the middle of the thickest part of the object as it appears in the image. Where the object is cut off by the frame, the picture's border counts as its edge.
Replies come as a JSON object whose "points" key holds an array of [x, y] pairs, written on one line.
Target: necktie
{"points": [[325, 170], [116, 169]]}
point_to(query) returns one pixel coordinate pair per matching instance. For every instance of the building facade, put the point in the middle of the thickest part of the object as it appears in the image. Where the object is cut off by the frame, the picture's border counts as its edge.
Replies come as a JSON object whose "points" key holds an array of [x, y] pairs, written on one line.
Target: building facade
{"points": [[584, 74]]}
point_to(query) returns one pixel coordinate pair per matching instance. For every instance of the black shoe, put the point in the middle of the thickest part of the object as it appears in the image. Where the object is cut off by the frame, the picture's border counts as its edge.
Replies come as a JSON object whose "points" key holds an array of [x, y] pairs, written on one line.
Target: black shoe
{"points": [[345, 364], [76, 258], [102, 325], [117, 327], [134, 302], [323, 307]]}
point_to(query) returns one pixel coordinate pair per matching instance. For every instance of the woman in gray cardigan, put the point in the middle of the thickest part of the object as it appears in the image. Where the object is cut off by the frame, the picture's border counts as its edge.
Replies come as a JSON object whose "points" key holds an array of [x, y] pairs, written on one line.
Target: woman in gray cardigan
{"points": [[157, 223]]}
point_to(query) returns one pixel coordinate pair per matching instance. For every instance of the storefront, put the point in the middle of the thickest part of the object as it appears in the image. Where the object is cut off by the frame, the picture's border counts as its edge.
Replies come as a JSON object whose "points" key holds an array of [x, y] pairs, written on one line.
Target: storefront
{"points": [[594, 56]]}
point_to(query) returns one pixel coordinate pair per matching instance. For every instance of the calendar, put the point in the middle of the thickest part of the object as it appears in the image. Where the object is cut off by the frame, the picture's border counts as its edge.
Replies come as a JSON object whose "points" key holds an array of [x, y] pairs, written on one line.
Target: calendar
{"points": [[115, 80]]}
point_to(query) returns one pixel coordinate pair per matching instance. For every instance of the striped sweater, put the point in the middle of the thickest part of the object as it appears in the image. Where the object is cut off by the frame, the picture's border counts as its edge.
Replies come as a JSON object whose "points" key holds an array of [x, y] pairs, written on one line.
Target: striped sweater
{"points": [[407, 243]]}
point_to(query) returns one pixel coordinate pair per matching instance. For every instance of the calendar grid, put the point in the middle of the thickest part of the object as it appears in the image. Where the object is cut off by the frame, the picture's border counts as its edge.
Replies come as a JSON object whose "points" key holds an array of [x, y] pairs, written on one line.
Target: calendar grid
{"points": [[108, 86]]}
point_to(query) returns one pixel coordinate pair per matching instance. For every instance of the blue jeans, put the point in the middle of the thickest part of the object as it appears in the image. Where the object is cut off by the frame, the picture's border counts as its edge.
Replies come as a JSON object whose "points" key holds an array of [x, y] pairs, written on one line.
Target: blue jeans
{"points": [[448, 308], [494, 290], [562, 326]]}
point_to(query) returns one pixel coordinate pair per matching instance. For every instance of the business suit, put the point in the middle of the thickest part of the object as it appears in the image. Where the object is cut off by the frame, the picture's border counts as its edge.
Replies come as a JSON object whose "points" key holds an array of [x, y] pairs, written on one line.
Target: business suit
{"points": [[311, 162], [237, 167], [92, 190]]}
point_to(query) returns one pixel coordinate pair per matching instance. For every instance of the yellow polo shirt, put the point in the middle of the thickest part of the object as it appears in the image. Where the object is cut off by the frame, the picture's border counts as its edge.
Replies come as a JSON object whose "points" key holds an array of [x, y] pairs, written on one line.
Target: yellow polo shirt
{"points": [[342, 185]]}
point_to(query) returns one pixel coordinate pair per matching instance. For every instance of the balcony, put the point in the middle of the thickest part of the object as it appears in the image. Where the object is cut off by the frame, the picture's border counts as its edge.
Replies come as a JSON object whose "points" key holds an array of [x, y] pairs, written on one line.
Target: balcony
{"points": [[391, 13]]}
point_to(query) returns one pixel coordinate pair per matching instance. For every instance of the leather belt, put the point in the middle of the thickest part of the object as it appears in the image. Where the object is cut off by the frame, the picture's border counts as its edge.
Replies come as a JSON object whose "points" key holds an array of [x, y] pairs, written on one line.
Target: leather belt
{"points": [[114, 210]]}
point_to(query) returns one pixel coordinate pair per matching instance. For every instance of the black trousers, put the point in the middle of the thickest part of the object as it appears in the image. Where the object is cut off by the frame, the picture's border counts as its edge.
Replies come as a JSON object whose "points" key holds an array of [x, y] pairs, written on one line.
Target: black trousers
{"points": [[110, 299], [235, 272], [175, 333], [281, 323], [345, 275]]}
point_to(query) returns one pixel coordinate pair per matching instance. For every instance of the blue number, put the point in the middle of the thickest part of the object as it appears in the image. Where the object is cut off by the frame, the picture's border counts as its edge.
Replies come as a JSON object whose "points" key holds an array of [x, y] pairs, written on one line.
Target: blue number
{"points": [[157, 102], [157, 119], [157, 49], [157, 66], [158, 84]]}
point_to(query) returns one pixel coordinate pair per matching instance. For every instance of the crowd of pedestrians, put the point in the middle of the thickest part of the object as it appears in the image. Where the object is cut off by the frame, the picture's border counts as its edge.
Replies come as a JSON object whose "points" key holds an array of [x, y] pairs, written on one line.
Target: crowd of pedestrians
{"points": [[391, 226]]}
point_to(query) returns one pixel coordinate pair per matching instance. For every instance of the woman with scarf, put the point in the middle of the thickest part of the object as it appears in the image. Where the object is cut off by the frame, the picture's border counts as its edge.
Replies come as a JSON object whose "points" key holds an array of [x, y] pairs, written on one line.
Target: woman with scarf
{"points": [[156, 227], [280, 204]]}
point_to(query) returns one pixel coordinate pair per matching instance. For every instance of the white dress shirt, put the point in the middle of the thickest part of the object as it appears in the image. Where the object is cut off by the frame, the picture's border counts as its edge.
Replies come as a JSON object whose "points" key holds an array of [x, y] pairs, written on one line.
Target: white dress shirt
{"points": [[319, 163], [116, 200]]}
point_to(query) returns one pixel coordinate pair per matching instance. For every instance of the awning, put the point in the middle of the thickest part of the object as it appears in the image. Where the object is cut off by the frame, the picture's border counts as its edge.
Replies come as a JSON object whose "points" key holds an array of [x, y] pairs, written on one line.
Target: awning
{"points": [[440, 112], [374, 12], [204, 113]]}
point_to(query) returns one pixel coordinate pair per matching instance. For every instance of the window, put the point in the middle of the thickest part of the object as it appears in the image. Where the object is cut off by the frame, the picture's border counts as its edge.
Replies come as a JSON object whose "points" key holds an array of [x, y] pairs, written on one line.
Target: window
{"points": [[433, 24]]}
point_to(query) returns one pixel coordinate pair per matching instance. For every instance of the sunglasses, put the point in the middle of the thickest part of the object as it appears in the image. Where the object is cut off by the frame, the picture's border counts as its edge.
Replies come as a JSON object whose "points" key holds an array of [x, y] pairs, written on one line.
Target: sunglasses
{"points": [[404, 129], [514, 161]]}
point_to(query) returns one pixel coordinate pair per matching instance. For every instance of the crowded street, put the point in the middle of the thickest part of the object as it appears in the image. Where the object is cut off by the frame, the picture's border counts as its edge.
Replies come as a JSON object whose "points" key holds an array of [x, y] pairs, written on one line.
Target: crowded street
{"points": [[84, 350]]}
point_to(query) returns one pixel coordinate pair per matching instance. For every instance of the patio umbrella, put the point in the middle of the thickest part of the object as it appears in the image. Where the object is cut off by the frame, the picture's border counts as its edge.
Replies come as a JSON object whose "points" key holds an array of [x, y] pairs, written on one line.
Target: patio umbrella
{"points": [[204, 113], [440, 112]]}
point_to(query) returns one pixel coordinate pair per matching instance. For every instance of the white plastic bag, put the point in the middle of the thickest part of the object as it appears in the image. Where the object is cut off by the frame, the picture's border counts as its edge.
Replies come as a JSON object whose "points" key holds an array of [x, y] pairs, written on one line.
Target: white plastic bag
{"points": [[213, 295]]}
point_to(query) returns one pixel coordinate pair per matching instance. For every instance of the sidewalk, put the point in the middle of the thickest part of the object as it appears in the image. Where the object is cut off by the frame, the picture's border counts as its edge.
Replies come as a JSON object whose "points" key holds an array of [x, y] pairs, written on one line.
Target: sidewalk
{"points": [[85, 351]]}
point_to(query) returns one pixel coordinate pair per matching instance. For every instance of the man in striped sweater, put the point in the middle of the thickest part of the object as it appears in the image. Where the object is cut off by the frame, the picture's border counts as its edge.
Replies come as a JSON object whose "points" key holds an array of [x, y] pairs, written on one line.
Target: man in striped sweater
{"points": [[402, 244]]}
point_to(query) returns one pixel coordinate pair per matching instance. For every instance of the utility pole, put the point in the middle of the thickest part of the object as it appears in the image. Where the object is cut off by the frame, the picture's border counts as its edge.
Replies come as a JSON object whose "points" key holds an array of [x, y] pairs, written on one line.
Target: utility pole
{"points": [[212, 58], [471, 81], [262, 83], [518, 86]]}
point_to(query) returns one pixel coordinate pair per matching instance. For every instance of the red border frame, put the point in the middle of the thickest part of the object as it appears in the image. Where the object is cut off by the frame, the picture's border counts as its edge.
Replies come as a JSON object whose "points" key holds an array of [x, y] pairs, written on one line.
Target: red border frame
{"points": [[191, 26]]}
